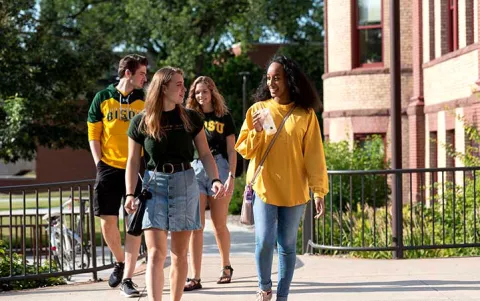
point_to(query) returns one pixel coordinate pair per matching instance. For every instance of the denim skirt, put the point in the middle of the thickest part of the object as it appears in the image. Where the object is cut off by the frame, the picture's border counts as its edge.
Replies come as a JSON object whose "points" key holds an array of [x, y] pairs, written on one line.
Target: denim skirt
{"points": [[174, 205], [204, 182]]}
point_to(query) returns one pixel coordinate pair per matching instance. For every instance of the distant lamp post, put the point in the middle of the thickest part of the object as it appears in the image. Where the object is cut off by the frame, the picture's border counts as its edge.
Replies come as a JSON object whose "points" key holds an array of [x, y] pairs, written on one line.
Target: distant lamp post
{"points": [[244, 75]]}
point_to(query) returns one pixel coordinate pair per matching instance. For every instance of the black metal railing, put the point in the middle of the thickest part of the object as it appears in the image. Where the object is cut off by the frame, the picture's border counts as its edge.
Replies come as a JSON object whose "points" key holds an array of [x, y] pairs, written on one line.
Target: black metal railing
{"points": [[438, 210], [50, 230]]}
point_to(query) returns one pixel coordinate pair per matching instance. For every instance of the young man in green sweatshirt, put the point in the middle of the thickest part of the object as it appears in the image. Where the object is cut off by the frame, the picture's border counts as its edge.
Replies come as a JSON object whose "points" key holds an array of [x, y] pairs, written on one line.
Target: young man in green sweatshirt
{"points": [[108, 120]]}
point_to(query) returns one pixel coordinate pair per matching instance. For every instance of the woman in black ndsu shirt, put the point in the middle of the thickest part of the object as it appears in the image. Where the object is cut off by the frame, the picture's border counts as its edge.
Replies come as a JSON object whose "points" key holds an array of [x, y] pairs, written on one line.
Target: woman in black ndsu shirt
{"points": [[167, 131], [220, 130]]}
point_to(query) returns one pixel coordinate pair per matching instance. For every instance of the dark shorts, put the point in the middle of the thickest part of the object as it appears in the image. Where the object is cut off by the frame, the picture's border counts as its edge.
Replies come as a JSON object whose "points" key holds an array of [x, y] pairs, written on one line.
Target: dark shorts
{"points": [[109, 189]]}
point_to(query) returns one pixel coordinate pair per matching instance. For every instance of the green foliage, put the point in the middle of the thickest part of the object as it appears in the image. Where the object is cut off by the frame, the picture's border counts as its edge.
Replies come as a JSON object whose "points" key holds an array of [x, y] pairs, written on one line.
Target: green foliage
{"points": [[306, 46], [54, 55], [450, 219], [30, 269], [229, 82], [192, 34], [369, 156], [235, 206], [51, 59], [15, 141], [450, 216]]}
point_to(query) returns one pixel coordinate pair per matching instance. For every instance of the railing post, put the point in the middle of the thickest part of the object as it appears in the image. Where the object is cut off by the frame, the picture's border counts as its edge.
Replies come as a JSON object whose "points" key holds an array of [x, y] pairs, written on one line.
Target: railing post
{"points": [[307, 227], [93, 243], [397, 216]]}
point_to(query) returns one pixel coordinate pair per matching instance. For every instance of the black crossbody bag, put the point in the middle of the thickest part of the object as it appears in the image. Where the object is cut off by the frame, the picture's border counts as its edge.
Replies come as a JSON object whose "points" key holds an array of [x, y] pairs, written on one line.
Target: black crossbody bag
{"points": [[134, 226]]}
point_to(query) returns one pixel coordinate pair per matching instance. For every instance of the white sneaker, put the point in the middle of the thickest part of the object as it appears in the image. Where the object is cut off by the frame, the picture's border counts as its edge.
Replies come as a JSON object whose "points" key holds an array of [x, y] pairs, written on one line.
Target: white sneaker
{"points": [[264, 296]]}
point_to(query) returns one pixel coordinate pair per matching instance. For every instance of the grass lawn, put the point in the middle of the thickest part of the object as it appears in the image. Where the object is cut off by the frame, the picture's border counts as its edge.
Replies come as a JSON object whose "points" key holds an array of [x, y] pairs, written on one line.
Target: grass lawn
{"points": [[31, 202]]}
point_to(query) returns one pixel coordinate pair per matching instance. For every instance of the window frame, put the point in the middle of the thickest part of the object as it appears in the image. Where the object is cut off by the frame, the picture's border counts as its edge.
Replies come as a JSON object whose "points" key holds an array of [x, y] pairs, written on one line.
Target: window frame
{"points": [[356, 37], [452, 25]]}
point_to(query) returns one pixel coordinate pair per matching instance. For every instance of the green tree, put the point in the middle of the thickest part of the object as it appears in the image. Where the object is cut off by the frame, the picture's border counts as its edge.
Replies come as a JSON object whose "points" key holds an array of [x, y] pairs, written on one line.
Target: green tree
{"points": [[50, 60], [53, 53], [193, 34]]}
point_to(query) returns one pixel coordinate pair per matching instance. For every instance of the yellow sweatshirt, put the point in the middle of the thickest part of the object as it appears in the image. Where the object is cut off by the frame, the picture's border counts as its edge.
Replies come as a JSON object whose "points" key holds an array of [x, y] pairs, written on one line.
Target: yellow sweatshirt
{"points": [[108, 121], [296, 161]]}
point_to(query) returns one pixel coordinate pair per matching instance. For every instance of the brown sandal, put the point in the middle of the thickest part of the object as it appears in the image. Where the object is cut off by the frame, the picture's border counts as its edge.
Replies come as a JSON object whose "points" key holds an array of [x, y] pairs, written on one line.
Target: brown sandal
{"points": [[192, 284], [224, 278]]}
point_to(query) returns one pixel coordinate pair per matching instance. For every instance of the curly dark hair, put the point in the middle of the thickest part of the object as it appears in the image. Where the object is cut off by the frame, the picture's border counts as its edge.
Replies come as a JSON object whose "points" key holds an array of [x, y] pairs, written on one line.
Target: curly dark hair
{"points": [[299, 86]]}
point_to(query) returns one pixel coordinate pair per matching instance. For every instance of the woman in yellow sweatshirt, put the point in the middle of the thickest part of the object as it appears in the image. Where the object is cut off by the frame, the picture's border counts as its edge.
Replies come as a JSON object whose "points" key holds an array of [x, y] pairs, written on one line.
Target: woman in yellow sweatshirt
{"points": [[295, 164]]}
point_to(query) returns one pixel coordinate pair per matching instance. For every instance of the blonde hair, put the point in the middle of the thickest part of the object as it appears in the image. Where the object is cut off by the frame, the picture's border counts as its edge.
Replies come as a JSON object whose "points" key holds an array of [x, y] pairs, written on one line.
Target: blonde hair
{"points": [[151, 120], [219, 106]]}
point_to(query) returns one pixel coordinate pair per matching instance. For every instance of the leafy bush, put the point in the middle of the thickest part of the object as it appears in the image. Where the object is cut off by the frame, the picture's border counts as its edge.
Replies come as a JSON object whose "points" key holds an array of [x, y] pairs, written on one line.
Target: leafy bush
{"points": [[452, 217], [235, 206], [449, 219], [369, 156], [30, 269]]}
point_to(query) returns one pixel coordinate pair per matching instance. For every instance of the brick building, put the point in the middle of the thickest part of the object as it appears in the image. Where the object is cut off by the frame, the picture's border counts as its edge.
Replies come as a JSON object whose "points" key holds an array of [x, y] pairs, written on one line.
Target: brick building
{"points": [[440, 71]]}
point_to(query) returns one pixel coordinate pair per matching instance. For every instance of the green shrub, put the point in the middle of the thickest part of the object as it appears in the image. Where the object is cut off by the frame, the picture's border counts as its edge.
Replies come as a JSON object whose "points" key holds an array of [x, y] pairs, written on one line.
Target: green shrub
{"points": [[30, 269], [235, 206], [422, 225], [368, 156], [450, 218]]}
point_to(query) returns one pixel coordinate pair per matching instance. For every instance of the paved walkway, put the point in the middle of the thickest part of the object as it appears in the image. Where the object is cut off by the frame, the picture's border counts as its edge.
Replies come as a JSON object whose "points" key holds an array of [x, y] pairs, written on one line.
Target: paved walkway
{"points": [[316, 278]]}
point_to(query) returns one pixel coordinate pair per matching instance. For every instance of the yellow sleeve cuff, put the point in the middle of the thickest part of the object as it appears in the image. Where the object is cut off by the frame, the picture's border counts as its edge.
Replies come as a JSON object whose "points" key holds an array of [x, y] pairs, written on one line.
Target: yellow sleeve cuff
{"points": [[94, 130], [320, 194]]}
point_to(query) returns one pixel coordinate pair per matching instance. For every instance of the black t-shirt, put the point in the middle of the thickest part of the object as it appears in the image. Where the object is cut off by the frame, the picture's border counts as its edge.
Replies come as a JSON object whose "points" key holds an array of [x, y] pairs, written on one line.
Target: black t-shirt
{"points": [[176, 146], [217, 130]]}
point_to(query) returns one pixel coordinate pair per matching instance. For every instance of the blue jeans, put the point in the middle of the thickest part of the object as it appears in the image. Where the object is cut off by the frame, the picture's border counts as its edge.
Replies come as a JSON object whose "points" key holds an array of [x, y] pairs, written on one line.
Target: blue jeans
{"points": [[281, 223]]}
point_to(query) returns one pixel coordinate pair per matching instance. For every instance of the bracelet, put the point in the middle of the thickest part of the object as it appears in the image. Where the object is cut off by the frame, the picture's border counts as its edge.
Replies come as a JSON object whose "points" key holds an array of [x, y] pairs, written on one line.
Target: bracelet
{"points": [[216, 180], [129, 194], [231, 175]]}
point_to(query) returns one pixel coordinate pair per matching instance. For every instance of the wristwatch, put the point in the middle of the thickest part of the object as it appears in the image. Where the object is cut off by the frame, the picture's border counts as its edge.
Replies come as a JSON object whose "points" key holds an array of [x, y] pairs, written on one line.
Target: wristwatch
{"points": [[231, 175]]}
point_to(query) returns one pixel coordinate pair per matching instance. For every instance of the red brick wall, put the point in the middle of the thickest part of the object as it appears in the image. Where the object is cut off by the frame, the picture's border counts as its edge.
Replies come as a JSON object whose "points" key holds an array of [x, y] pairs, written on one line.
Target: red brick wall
{"points": [[59, 166]]}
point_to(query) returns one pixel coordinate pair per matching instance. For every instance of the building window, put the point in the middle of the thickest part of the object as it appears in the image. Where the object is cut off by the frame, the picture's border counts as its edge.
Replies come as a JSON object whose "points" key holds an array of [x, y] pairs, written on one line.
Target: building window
{"points": [[452, 19], [469, 22], [367, 33], [433, 150], [450, 159]]}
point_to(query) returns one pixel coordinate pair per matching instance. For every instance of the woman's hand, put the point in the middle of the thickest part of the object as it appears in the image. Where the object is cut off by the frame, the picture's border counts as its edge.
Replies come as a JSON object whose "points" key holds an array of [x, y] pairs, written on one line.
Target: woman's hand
{"points": [[130, 205], [258, 119], [218, 190], [319, 207], [229, 186]]}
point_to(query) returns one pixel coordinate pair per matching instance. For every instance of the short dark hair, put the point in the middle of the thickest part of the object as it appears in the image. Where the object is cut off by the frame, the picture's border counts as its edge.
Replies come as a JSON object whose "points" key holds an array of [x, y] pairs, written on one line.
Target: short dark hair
{"points": [[300, 88], [131, 62]]}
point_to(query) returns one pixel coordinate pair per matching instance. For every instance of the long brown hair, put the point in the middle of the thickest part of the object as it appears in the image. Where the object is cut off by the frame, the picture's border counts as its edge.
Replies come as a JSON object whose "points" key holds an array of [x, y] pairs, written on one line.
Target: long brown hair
{"points": [[219, 106], [151, 120]]}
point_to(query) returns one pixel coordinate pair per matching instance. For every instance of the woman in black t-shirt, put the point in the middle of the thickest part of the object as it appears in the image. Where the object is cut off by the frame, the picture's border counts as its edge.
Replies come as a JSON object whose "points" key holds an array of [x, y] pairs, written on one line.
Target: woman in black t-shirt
{"points": [[167, 131], [220, 130]]}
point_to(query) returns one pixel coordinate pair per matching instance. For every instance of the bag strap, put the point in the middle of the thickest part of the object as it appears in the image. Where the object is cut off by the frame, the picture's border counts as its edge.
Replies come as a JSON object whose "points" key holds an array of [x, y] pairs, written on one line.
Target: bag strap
{"points": [[270, 146], [149, 180]]}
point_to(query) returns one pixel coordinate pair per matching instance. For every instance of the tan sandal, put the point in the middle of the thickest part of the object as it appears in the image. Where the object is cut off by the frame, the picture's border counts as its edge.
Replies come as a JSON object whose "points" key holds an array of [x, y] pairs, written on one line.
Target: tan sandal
{"points": [[225, 278]]}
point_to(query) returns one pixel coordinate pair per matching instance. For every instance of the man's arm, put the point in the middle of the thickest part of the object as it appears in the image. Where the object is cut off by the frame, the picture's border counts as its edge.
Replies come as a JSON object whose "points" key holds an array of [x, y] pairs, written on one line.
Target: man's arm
{"points": [[95, 128], [96, 150]]}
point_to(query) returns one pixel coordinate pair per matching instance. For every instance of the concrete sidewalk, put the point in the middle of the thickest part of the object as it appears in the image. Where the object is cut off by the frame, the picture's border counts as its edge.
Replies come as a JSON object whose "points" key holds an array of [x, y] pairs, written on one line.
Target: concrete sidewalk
{"points": [[316, 278]]}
